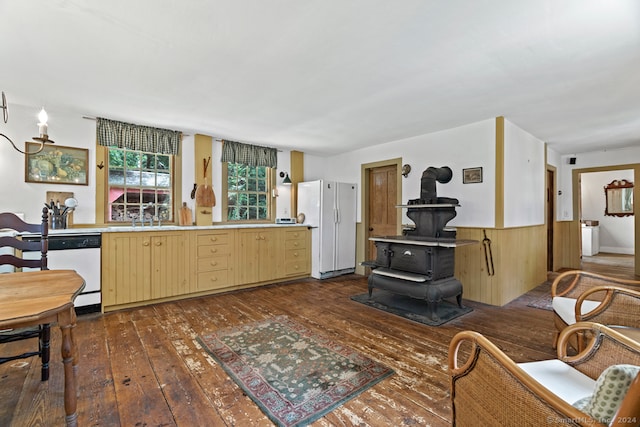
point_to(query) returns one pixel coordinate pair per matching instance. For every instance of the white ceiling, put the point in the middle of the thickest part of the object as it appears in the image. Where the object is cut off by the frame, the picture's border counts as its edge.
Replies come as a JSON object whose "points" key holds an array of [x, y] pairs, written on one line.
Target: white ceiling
{"points": [[329, 76]]}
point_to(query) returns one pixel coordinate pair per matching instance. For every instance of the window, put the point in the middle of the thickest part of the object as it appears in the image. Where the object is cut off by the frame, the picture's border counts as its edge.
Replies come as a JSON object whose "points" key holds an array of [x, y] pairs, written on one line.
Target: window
{"points": [[248, 192], [139, 185]]}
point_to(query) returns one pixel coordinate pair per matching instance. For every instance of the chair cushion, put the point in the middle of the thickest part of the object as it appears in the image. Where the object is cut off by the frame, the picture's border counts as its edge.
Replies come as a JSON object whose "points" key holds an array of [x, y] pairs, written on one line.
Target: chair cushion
{"points": [[564, 381], [566, 308], [609, 391]]}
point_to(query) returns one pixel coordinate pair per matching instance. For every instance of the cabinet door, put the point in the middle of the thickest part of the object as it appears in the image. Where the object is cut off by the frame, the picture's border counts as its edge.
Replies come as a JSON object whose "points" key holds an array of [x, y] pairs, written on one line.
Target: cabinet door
{"points": [[169, 275], [126, 263], [258, 255]]}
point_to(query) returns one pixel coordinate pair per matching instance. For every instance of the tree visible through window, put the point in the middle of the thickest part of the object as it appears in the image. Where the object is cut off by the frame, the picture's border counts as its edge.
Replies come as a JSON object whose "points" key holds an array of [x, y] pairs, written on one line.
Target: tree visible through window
{"points": [[139, 185], [247, 192]]}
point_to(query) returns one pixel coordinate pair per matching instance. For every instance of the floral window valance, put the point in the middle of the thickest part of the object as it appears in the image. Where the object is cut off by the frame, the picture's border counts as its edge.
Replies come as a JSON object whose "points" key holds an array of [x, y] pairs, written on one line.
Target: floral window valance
{"points": [[134, 137], [247, 154]]}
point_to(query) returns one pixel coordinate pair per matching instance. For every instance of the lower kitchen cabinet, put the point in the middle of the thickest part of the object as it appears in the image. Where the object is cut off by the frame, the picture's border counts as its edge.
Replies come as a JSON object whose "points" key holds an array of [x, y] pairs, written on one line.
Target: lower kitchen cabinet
{"points": [[143, 266], [257, 254], [214, 260]]}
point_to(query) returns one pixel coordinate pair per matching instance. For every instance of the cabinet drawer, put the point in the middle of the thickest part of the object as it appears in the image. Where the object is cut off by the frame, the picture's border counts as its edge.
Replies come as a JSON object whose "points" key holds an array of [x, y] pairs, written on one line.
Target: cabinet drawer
{"points": [[213, 280], [294, 267], [208, 250], [295, 244], [295, 234], [295, 254], [213, 239], [213, 263]]}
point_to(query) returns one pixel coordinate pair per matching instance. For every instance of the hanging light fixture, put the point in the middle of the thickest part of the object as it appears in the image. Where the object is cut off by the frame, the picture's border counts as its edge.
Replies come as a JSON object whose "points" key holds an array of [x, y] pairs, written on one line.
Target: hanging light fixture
{"points": [[42, 127]]}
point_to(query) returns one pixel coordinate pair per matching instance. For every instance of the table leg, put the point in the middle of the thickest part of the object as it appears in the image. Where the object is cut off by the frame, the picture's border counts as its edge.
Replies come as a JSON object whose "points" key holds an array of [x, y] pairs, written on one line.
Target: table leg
{"points": [[66, 320]]}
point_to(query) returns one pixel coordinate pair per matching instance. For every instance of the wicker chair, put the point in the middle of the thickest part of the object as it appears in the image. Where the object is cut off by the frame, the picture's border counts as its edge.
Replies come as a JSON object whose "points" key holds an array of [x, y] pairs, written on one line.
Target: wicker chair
{"points": [[490, 389], [584, 296]]}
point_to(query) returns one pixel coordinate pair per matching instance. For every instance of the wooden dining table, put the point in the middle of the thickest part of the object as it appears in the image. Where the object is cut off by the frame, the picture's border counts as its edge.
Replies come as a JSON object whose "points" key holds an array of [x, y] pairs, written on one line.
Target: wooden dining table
{"points": [[38, 297]]}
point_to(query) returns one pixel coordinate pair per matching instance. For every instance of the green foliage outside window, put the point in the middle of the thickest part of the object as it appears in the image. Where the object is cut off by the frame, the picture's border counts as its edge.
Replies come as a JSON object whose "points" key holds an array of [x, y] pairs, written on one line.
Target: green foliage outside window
{"points": [[247, 192]]}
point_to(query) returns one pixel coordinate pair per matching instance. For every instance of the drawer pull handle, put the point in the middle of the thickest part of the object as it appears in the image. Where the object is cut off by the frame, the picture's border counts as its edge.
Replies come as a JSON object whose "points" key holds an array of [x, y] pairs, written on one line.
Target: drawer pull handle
{"points": [[145, 243], [296, 244], [213, 239], [407, 253], [214, 263], [214, 250], [213, 279], [295, 254], [158, 243]]}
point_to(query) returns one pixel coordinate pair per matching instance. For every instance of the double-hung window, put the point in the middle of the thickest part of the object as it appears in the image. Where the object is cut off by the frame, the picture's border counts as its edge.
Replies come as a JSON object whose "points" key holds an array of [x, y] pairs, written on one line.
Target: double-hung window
{"points": [[248, 177], [140, 180], [140, 185]]}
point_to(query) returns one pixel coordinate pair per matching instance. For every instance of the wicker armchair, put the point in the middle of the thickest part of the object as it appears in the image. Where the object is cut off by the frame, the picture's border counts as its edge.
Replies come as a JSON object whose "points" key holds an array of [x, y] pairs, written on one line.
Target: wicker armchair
{"points": [[490, 389], [584, 296]]}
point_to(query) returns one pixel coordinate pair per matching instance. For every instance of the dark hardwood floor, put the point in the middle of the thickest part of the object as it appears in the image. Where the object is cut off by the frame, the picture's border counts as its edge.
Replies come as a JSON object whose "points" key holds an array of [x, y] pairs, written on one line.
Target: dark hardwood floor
{"points": [[143, 367]]}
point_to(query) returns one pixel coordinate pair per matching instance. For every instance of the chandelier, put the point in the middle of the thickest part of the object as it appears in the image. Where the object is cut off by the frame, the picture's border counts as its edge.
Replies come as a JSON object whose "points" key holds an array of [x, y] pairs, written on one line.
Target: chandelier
{"points": [[42, 127]]}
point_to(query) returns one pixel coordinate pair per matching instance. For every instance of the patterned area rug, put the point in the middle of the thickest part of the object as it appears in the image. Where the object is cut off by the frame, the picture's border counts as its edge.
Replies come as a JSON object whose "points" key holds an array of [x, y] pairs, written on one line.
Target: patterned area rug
{"points": [[411, 308], [293, 374], [543, 302]]}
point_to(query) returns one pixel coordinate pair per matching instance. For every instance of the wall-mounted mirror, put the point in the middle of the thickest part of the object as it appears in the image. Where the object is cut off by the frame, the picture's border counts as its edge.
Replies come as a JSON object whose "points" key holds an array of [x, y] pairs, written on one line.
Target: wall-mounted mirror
{"points": [[619, 198]]}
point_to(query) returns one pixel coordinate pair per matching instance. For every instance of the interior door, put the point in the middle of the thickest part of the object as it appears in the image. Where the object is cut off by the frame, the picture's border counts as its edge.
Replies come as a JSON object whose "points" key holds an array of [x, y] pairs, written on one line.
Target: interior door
{"points": [[382, 204], [551, 216]]}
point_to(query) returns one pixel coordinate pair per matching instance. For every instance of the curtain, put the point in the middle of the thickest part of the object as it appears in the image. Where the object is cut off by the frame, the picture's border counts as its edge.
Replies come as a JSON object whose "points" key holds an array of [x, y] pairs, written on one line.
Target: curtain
{"points": [[135, 137], [251, 155]]}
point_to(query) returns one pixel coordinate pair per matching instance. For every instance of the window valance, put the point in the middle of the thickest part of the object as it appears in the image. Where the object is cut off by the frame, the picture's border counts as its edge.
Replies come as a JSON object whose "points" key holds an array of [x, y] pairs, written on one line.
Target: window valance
{"points": [[134, 137], [247, 154]]}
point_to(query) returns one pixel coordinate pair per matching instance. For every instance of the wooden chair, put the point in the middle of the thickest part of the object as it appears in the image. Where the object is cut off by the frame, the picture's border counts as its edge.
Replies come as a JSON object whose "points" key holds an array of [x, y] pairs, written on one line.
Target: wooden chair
{"points": [[11, 224], [583, 296], [489, 388]]}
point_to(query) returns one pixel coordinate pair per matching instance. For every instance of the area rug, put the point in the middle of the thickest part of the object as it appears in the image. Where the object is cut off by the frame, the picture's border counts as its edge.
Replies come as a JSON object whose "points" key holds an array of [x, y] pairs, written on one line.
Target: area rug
{"points": [[411, 308], [294, 375], [543, 302]]}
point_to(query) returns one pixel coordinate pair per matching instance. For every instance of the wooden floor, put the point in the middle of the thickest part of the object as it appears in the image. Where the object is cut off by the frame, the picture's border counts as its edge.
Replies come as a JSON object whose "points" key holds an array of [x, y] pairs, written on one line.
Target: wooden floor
{"points": [[143, 367]]}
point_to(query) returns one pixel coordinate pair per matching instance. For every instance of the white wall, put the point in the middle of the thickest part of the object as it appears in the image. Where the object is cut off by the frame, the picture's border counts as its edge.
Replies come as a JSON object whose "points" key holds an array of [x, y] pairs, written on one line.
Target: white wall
{"points": [[623, 156], [524, 178], [65, 129], [468, 146], [616, 233], [71, 130]]}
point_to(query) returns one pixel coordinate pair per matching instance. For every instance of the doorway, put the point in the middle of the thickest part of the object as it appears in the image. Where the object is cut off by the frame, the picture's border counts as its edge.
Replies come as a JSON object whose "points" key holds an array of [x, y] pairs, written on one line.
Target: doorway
{"points": [[381, 193], [578, 208], [550, 214]]}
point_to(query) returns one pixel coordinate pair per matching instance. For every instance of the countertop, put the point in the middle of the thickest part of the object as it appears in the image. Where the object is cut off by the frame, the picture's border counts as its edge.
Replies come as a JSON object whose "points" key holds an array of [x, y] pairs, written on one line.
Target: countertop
{"points": [[139, 228]]}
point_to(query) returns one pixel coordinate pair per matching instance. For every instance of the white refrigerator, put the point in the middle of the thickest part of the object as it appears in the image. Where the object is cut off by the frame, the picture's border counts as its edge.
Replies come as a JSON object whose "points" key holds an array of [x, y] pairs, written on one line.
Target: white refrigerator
{"points": [[329, 209]]}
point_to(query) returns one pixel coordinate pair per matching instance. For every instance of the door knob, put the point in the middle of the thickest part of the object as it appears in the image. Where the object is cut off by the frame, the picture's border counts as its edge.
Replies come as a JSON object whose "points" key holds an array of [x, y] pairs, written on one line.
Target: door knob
{"points": [[370, 228]]}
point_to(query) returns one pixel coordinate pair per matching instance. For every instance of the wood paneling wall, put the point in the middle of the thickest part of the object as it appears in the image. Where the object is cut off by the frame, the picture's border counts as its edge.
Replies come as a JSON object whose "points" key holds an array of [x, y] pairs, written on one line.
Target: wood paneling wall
{"points": [[519, 263]]}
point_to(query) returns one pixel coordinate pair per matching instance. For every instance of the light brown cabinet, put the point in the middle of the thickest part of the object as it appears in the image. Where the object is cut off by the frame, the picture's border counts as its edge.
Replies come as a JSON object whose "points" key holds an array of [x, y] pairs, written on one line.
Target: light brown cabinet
{"points": [[214, 260], [143, 266], [297, 252], [257, 253]]}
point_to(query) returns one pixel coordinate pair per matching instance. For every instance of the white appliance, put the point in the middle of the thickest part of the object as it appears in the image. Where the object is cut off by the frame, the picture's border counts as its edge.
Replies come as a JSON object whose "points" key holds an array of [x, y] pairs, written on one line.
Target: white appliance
{"points": [[79, 252], [329, 209], [590, 240]]}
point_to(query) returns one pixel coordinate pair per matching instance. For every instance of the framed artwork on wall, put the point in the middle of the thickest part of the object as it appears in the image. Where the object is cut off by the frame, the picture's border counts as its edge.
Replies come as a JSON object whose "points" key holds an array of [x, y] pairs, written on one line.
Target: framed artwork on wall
{"points": [[472, 175], [56, 164]]}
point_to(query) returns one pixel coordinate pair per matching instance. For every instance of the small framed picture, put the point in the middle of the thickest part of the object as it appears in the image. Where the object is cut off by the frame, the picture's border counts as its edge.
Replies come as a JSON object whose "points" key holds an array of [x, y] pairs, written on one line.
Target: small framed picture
{"points": [[56, 164], [471, 175]]}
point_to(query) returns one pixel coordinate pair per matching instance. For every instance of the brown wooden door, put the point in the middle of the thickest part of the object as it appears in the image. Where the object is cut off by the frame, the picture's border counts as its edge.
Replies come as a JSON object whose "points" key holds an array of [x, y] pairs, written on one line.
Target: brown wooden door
{"points": [[382, 204], [551, 217]]}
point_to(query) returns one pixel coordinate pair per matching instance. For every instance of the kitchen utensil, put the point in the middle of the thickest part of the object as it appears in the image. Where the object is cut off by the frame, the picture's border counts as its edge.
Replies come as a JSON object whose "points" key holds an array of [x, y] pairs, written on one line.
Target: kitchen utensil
{"points": [[204, 193], [71, 203], [193, 192], [186, 217]]}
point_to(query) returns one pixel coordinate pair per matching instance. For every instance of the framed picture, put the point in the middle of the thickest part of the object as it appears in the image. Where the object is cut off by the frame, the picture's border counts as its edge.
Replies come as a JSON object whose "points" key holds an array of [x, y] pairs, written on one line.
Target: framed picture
{"points": [[471, 175], [56, 164]]}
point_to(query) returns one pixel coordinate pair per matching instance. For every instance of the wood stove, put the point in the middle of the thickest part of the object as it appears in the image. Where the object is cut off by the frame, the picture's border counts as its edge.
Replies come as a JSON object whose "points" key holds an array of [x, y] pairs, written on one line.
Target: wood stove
{"points": [[420, 263]]}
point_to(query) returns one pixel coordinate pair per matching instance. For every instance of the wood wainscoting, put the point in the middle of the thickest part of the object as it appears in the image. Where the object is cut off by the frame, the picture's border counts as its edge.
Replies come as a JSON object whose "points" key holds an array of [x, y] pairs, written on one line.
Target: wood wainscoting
{"points": [[519, 263]]}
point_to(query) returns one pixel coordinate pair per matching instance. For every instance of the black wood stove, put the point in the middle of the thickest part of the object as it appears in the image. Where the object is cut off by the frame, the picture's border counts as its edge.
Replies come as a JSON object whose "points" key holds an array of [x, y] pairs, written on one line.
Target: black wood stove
{"points": [[420, 263]]}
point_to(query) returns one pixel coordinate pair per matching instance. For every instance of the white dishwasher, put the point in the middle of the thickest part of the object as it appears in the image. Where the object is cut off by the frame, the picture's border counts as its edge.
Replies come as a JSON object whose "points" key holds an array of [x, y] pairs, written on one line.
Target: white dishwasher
{"points": [[79, 252]]}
